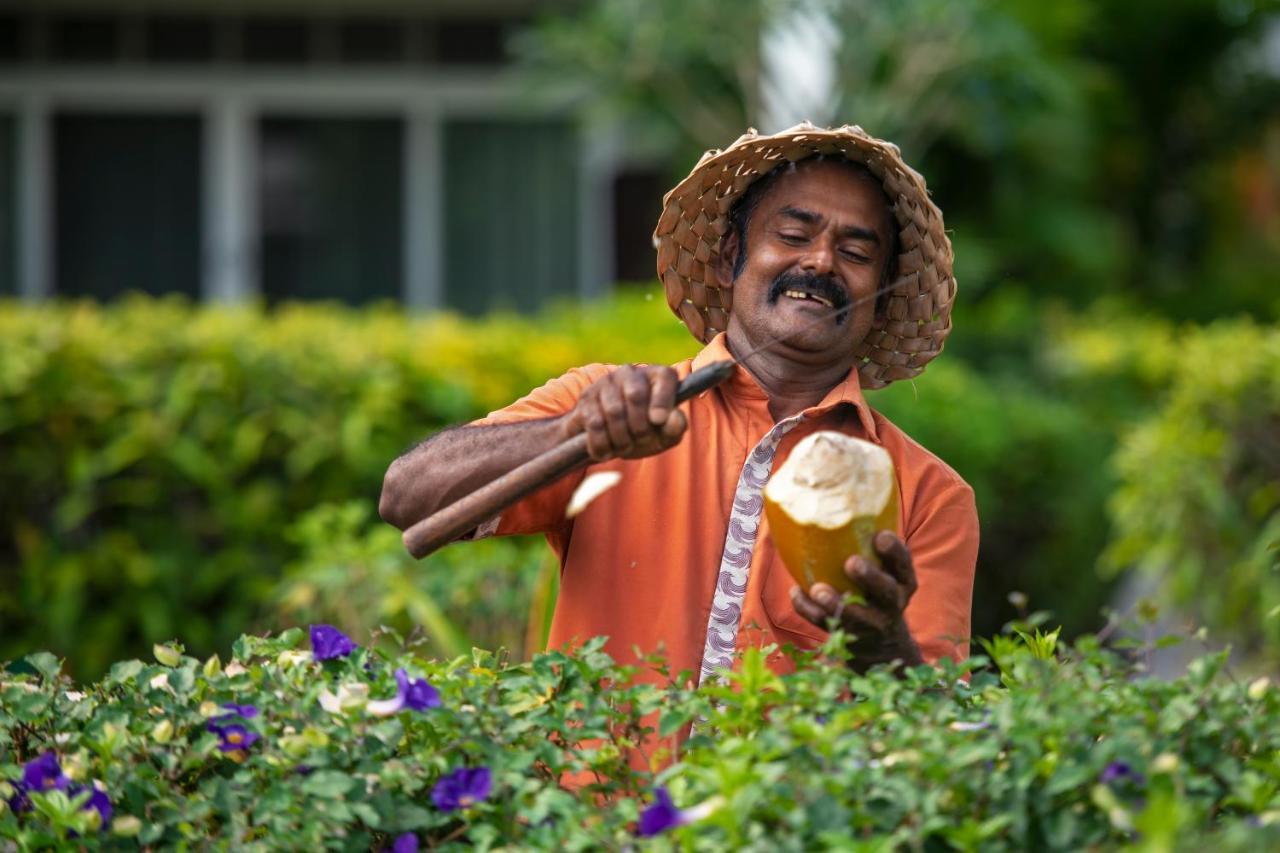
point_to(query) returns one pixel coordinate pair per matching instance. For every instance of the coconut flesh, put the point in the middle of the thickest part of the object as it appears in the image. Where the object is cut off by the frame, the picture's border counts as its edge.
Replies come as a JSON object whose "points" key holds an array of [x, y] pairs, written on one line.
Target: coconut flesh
{"points": [[832, 478]]}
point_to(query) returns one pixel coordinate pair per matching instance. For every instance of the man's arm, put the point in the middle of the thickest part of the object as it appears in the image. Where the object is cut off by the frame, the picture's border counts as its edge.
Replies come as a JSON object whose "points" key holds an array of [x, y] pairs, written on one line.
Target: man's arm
{"points": [[628, 413], [456, 462]]}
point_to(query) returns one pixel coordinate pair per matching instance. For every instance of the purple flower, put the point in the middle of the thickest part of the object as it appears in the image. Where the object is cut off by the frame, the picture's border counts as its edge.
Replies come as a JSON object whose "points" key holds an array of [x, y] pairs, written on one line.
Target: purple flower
{"points": [[462, 788], [405, 843], [44, 774], [328, 643], [418, 692], [98, 801], [19, 803], [660, 816], [235, 715], [414, 693], [663, 814], [1120, 771], [235, 740]]}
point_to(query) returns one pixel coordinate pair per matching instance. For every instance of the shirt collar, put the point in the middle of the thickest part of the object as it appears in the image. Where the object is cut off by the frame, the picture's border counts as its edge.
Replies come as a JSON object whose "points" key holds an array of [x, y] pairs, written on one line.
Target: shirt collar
{"points": [[742, 383]]}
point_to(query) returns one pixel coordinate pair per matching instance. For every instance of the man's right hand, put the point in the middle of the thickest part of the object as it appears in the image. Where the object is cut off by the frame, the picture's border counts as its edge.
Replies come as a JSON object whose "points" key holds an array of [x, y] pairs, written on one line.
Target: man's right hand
{"points": [[629, 413]]}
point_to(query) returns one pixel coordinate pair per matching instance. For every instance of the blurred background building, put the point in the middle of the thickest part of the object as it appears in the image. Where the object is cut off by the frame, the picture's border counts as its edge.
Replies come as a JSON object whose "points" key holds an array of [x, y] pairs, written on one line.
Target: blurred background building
{"points": [[355, 150]]}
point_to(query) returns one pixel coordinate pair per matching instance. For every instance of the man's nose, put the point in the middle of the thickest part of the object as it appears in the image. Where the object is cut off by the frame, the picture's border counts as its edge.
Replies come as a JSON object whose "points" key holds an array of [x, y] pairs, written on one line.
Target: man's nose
{"points": [[819, 258]]}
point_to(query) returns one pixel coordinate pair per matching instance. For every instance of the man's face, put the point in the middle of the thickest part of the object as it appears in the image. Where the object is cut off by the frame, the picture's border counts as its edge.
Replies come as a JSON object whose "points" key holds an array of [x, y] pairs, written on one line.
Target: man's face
{"points": [[816, 242]]}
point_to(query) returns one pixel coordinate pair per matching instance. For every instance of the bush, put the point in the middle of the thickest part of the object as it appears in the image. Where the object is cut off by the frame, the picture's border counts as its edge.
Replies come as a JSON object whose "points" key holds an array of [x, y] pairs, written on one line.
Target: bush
{"points": [[1060, 748], [353, 570], [169, 468], [155, 454], [1198, 507], [1037, 465]]}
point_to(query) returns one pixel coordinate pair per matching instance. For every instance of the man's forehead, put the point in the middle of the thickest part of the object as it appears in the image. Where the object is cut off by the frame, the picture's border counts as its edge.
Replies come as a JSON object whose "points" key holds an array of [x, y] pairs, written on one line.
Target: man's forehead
{"points": [[847, 183]]}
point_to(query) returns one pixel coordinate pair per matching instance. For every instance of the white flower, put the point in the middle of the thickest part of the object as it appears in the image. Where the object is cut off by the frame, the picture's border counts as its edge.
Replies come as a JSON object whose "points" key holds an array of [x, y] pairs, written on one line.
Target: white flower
{"points": [[963, 726], [293, 657], [348, 698], [703, 809]]}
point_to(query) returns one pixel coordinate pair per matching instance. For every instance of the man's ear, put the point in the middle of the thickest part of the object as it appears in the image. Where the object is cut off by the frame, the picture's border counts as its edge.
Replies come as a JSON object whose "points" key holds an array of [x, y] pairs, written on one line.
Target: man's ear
{"points": [[727, 257]]}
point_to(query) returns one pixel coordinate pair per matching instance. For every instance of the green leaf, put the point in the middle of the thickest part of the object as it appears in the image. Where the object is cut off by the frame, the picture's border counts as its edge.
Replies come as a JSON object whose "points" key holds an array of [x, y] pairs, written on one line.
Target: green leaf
{"points": [[328, 784], [672, 720], [124, 671], [166, 654], [45, 663]]}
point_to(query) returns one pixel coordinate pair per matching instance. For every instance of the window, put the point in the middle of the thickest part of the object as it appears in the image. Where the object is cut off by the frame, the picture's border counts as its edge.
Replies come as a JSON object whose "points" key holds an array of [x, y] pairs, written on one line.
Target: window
{"points": [[8, 206], [10, 39], [371, 40], [85, 38], [637, 204], [467, 41], [510, 213], [173, 39], [276, 41], [126, 204], [330, 207]]}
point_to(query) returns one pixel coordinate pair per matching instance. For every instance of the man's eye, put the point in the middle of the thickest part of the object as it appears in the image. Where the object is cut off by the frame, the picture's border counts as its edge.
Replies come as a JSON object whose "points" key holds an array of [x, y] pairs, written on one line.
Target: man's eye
{"points": [[788, 237], [855, 256]]}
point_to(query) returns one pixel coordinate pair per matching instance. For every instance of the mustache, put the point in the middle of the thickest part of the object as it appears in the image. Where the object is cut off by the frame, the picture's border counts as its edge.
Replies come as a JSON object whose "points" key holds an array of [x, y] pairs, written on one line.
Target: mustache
{"points": [[818, 285]]}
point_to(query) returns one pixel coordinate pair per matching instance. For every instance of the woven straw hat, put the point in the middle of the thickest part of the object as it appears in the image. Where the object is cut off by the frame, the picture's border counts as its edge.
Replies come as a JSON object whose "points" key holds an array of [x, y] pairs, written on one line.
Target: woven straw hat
{"points": [[695, 215]]}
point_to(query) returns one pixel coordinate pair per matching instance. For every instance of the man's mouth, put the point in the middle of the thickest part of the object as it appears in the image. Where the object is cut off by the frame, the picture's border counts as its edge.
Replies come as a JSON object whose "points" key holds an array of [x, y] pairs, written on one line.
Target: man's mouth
{"points": [[820, 290], [812, 297]]}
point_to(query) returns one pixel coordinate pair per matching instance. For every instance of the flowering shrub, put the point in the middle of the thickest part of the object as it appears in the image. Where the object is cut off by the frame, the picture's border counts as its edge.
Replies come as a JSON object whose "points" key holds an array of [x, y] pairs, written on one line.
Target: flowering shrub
{"points": [[373, 747]]}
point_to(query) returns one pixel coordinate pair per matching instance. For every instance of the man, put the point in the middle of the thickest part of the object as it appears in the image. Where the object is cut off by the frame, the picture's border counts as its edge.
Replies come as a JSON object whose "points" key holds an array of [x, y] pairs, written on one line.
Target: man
{"points": [[815, 258]]}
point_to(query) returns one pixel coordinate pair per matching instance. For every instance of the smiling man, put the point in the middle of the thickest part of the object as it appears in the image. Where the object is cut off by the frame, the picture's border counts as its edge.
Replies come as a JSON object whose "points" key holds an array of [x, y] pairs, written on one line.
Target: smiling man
{"points": [[816, 259]]}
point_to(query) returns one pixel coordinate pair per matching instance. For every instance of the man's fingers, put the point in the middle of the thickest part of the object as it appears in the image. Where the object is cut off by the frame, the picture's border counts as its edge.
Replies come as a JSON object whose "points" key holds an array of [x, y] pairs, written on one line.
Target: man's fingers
{"points": [[823, 604], [863, 620], [808, 608], [674, 428], [662, 395], [896, 560], [877, 586], [615, 417], [593, 423], [635, 395]]}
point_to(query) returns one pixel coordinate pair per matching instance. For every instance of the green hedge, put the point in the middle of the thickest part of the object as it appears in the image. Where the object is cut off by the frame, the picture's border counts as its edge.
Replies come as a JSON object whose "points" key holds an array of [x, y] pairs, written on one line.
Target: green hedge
{"points": [[1198, 507], [156, 455], [205, 470], [1058, 749]]}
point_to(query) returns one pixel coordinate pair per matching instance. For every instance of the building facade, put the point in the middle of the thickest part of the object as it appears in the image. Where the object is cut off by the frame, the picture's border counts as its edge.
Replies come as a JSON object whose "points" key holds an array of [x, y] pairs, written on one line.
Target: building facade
{"points": [[356, 150]]}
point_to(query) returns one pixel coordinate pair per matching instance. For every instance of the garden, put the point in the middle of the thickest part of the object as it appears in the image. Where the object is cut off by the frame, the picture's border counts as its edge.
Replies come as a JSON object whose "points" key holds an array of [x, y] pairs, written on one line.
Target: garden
{"points": [[208, 638]]}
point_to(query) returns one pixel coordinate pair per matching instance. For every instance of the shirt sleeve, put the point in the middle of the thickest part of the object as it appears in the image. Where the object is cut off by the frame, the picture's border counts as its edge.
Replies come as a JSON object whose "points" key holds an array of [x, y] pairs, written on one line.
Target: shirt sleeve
{"points": [[542, 511], [944, 549]]}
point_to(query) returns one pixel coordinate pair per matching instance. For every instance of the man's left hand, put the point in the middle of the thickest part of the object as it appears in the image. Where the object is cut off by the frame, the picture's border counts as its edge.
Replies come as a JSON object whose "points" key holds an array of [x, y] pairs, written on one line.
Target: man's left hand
{"points": [[878, 627]]}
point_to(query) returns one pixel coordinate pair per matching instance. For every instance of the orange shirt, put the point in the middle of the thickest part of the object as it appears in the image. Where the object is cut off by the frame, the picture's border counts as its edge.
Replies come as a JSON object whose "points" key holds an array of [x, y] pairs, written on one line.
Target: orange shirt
{"points": [[678, 556]]}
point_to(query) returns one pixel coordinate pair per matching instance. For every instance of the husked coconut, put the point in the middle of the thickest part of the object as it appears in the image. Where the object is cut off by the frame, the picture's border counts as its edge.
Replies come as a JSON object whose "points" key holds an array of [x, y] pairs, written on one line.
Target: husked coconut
{"points": [[826, 503]]}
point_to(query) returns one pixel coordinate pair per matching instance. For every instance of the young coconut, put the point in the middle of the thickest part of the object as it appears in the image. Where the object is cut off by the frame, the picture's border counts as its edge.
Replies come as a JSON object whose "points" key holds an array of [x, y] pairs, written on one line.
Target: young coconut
{"points": [[827, 502]]}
